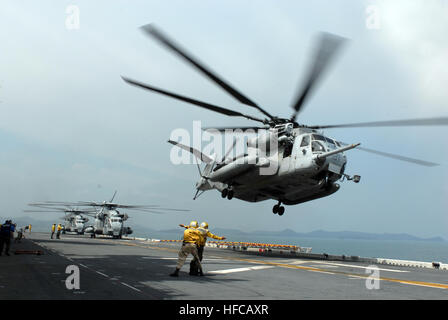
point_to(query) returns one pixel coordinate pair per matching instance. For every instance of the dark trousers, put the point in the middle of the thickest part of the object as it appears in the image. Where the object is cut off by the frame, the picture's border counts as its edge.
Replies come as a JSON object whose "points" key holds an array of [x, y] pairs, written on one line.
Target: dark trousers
{"points": [[194, 266], [4, 241]]}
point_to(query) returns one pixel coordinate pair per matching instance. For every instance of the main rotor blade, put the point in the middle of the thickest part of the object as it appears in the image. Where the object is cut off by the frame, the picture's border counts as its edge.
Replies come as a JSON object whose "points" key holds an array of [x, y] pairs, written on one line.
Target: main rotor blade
{"points": [[54, 203], [198, 154], [198, 103], [115, 193], [228, 151], [402, 158], [48, 211], [222, 129], [153, 31], [163, 209], [440, 121], [398, 157], [325, 52]]}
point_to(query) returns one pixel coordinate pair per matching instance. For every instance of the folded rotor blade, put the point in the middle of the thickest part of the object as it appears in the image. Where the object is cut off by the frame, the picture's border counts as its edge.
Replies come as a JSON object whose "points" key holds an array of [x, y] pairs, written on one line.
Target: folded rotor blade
{"points": [[325, 52], [195, 102], [440, 121], [153, 31], [198, 154]]}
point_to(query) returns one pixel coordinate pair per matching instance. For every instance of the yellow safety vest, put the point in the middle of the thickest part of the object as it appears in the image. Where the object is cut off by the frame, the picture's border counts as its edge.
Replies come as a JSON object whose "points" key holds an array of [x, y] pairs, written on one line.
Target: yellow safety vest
{"points": [[192, 236]]}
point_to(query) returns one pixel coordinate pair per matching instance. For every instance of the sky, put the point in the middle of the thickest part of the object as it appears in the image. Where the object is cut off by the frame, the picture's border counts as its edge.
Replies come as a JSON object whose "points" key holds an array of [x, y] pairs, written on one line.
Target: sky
{"points": [[72, 130]]}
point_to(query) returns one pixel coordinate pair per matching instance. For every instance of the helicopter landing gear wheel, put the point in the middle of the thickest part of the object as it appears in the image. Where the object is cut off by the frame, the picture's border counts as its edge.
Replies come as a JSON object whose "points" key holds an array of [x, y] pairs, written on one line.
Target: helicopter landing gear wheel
{"points": [[278, 208], [227, 193], [224, 193], [281, 210]]}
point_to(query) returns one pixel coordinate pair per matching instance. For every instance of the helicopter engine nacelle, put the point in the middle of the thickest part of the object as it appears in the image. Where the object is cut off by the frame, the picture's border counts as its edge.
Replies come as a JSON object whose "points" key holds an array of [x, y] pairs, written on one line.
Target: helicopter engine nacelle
{"points": [[89, 230], [267, 141]]}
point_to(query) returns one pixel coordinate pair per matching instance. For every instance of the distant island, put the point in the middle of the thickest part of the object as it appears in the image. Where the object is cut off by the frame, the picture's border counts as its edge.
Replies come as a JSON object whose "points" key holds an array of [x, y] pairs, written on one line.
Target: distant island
{"points": [[44, 226]]}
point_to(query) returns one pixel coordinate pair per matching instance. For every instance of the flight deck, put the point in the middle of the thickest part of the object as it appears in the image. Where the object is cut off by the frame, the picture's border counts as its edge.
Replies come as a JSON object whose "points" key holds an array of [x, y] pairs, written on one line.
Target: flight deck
{"points": [[139, 269]]}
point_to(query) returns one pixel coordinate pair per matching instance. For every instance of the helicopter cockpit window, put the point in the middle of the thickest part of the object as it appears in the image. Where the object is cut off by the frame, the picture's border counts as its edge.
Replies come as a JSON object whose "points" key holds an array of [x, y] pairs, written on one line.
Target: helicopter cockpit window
{"points": [[316, 146], [331, 143], [305, 141], [318, 137]]}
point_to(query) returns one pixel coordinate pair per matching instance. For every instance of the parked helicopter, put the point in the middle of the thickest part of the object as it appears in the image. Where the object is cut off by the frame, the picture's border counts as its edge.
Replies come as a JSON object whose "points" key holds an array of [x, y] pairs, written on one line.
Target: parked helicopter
{"points": [[307, 163], [75, 220], [108, 220]]}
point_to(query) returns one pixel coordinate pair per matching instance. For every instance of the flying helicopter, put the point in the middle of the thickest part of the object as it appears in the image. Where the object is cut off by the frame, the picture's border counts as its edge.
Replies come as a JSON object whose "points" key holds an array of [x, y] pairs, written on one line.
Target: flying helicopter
{"points": [[75, 219], [108, 220], [307, 164]]}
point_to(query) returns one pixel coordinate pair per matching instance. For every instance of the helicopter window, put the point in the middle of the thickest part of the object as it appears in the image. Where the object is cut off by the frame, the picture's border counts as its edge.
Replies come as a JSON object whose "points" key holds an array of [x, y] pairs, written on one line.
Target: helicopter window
{"points": [[337, 143], [331, 143], [305, 141], [317, 147], [318, 137], [288, 150]]}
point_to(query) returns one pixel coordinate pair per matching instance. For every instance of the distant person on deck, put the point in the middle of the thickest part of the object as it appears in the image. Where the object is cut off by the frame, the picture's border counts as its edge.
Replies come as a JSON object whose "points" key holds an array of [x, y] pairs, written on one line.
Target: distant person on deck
{"points": [[53, 229], [58, 233], [6, 233], [19, 236]]}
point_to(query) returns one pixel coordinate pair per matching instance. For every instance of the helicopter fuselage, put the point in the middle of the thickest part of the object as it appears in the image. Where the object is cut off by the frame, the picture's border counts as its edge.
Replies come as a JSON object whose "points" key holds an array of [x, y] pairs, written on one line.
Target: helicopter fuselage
{"points": [[304, 166], [110, 223], [75, 223]]}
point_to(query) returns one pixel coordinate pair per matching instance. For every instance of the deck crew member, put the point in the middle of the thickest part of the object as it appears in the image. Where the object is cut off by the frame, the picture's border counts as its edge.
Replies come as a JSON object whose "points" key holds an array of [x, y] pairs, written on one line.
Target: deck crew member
{"points": [[203, 228], [53, 229], [192, 238], [58, 233], [6, 233]]}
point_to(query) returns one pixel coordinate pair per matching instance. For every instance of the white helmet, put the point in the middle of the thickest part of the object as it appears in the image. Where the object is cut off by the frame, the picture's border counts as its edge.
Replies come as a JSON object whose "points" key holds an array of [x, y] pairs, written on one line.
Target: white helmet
{"points": [[204, 225]]}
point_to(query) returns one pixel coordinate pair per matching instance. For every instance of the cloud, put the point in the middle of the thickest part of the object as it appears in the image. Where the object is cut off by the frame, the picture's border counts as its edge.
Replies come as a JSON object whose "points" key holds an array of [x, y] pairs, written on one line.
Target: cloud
{"points": [[415, 33]]}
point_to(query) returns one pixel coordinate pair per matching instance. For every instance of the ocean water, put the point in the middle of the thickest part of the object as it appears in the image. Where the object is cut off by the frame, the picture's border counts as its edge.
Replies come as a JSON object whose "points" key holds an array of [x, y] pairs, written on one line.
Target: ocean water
{"points": [[396, 249]]}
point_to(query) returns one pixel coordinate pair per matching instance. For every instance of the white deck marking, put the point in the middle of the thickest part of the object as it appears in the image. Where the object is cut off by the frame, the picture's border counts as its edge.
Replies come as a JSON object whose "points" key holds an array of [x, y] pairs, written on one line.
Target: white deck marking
{"points": [[240, 269], [321, 271], [105, 275], [130, 286]]}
